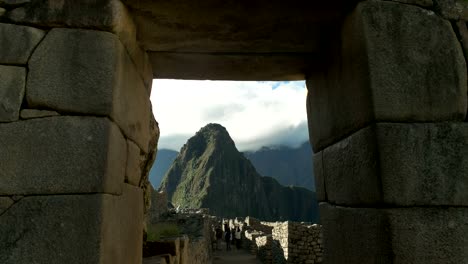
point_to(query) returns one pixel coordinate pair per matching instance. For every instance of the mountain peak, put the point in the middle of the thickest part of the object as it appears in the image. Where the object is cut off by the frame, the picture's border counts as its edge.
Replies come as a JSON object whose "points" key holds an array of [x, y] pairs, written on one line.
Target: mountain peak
{"points": [[214, 131], [210, 172], [211, 137]]}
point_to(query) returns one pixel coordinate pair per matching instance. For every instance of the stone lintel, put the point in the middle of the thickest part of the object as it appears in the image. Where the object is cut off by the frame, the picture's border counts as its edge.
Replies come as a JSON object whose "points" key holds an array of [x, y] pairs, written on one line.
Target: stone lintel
{"points": [[232, 66], [59, 155]]}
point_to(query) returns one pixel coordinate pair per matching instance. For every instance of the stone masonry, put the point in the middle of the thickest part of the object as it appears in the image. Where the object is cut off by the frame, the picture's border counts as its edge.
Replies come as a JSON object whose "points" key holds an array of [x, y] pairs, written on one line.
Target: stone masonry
{"points": [[387, 111], [387, 121], [284, 242], [76, 133]]}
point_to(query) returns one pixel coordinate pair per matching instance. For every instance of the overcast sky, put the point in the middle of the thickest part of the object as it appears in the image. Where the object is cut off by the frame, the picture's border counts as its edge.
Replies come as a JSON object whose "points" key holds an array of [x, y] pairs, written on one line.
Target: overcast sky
{"points": [[255, 114]]}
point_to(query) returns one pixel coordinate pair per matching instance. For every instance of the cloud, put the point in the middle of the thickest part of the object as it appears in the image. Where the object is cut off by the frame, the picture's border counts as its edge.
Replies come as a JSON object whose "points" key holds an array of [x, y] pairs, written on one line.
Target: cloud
{"points": [[255, 114]]}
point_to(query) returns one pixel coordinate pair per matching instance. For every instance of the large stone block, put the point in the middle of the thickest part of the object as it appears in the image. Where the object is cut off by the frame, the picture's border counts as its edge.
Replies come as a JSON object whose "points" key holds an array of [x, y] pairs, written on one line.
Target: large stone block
{"points": [[429, 235], [398, 235], [123, 227], [18, 42], [5, 203], [12, 85], [399, 164], [135, 162], [452, 9], [424, 164], [355, 235], [462, 30], [319, 177], [383, 72], [352, 171], [92, 229], [61, 155], [89, 72], [107, 15]]}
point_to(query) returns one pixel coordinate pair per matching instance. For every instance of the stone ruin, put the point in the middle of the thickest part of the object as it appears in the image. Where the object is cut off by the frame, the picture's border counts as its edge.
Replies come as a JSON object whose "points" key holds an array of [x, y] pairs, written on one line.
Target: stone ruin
{"points": [[284, 242], [192, 246], [386, 104]]}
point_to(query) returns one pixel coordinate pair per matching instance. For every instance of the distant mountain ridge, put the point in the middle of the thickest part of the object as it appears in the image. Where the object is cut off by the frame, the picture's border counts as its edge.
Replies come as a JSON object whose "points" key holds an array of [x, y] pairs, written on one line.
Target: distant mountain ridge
{"points": [[210, 172], [163, 162], [289, 166]]}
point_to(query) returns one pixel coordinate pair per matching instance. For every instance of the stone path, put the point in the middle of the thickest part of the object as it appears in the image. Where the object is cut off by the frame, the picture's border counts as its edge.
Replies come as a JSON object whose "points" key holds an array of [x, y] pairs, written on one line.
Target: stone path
{"points": [[234, 257]]}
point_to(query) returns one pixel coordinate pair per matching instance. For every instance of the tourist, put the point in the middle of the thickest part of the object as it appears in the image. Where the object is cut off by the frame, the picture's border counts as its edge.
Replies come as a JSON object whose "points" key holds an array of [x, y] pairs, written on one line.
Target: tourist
{"points": [[227, 237], [213, 238], [219, 237], [238, 237], [233, 239]]}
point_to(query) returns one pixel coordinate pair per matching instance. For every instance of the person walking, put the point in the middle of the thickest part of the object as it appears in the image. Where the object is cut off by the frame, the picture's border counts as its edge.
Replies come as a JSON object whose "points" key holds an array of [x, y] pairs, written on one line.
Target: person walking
{"points": [[227, 237], [238, 237], [219, 237]]}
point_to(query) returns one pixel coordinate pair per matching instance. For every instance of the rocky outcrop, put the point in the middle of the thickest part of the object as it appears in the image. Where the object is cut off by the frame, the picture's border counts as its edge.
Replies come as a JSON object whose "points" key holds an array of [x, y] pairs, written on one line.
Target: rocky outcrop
{"points": [[210, 172]]}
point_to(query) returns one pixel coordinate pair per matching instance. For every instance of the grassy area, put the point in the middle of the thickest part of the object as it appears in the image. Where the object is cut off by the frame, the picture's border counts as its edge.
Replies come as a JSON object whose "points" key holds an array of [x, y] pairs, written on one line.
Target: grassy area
{"points": [[162, 230]]}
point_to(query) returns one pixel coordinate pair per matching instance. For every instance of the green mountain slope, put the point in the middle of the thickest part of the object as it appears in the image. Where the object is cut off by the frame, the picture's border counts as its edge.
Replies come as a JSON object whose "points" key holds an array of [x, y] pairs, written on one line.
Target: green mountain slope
{"points": [[210, 172]]}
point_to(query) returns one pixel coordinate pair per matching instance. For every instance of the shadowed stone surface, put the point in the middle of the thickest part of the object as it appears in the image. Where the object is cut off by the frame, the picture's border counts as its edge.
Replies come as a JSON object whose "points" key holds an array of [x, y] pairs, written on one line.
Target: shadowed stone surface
{"points": [[92, 229], [352, 171], [12, 85], [18, 42], [233, 34], [122, 228], [399, 164], [34, 113], [2, 11], [452, 9], [319, 177], [101, 80], [462, 29], [355, 235], [429, 235], [424, 164], [106, 15], [424, 3], [13, 2], [61, 155], [173, 65], [397, 236], [5, 203], [382, 72], [135, 161]]}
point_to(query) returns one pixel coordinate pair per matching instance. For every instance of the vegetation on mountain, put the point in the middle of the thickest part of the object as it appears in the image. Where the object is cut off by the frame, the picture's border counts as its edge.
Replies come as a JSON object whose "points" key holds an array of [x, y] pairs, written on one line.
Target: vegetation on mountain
{"points": [[210, 172]]}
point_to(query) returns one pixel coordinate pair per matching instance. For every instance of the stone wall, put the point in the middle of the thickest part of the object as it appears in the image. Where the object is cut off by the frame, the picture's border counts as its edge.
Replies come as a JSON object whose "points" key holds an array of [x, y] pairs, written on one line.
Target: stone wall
{"points": [[195, 246], [284, 242], [200, 251], [387, 121], [77, 133]]}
